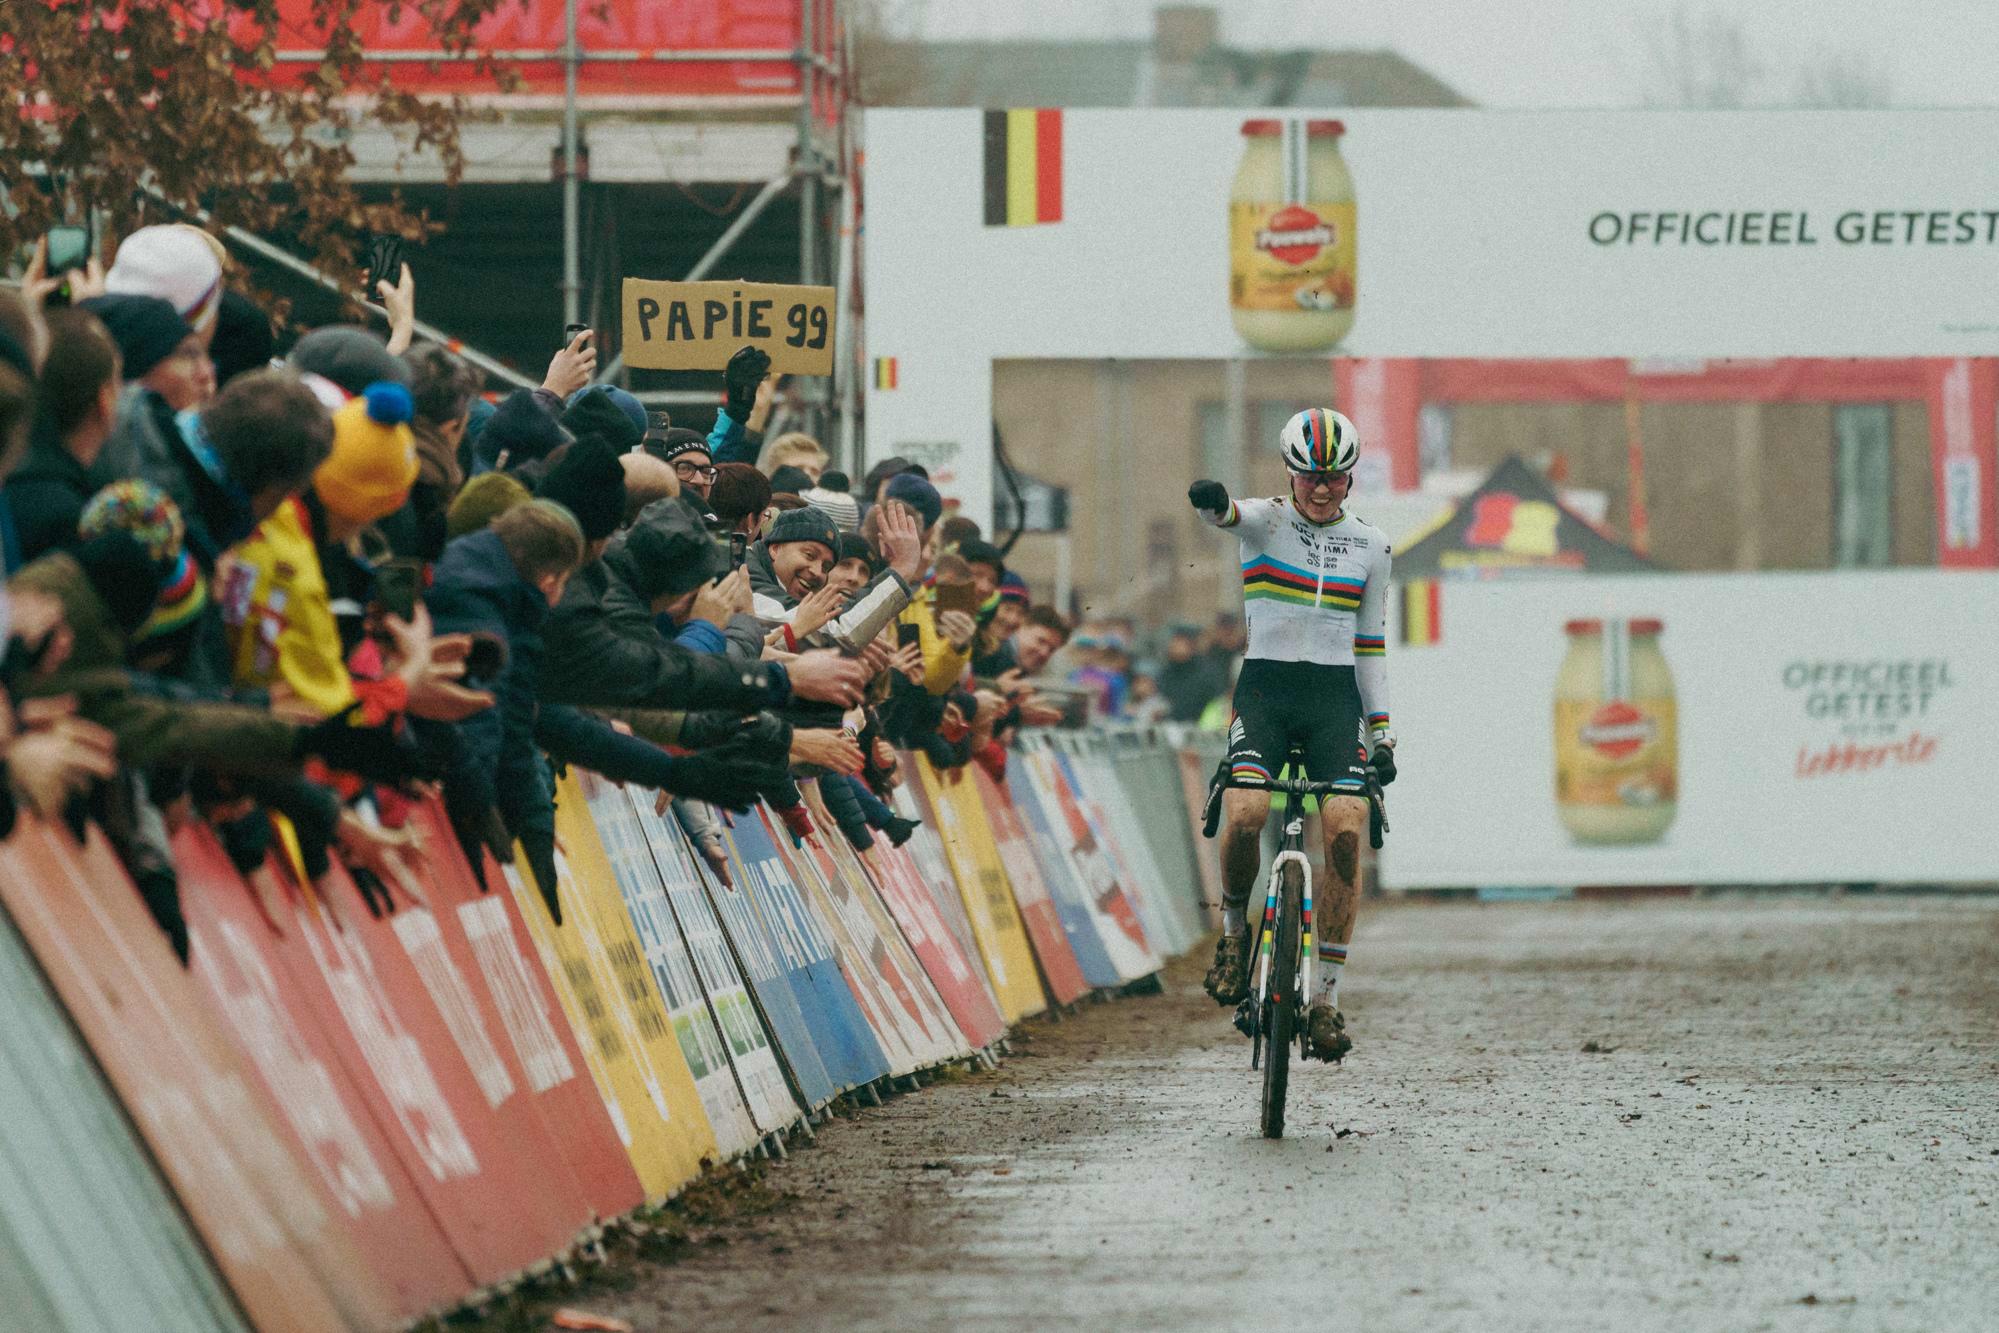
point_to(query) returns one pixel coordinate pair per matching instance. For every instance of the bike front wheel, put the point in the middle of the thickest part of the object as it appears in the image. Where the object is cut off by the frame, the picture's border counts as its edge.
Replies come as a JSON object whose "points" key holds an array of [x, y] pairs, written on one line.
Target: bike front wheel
{"points": [[1280, 1006]]}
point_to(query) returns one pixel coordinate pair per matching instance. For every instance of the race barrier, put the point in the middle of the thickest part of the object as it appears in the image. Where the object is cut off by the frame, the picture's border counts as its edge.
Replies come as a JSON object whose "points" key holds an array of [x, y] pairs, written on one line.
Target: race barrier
{"points": [[333, 1120]]}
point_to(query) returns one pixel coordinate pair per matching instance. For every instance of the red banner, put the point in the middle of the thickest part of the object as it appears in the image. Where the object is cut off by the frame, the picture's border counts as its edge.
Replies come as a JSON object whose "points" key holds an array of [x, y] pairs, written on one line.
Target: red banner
{"points": [[488, 1194], [286, 1256], [492, 945], [1059, 969], [1963, 399], [526, 37], [957, 976]]}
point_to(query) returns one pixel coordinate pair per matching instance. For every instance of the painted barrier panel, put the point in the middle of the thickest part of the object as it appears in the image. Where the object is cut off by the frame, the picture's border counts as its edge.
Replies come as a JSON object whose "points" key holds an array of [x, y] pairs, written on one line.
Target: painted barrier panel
{"points": [[1109, 946], [1119, 790], [285, 1256], [595, 913], [748, 1042], [840, 1033], [959, 978], [524, 1014], [913, 1003], [989, 905], [90, 1236], [672, 969], [1151, 777], [397, 1050], [1060, 970], [233, 954], [766, 971], [1197, 765], [1112, 907], [925, 850], [1095, 790]]}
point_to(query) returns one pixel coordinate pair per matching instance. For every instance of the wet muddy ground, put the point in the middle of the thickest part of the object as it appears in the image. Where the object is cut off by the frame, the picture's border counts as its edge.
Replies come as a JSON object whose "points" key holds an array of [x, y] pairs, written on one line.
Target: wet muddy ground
{"points": [[1749, 1113]]}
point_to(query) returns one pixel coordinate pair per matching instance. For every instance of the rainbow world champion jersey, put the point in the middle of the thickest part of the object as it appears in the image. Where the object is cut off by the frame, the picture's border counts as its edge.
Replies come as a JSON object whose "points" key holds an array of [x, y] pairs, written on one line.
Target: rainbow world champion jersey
{"points": [[1315, 592]]}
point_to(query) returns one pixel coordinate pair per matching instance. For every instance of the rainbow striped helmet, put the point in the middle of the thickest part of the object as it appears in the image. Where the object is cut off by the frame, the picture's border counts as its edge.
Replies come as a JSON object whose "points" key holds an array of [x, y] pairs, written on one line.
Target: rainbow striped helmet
{"points": [[1320, 440]]}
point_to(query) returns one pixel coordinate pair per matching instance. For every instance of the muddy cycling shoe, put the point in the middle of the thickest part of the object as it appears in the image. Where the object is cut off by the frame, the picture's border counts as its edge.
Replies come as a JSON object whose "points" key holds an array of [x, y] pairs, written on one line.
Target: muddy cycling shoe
{"points": [[1228, 979], [1326, 1032]]}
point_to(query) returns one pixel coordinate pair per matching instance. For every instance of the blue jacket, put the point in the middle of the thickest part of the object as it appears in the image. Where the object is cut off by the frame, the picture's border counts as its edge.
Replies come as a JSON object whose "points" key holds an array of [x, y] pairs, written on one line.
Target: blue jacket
{"points": [[730, 442], [477, 588]]}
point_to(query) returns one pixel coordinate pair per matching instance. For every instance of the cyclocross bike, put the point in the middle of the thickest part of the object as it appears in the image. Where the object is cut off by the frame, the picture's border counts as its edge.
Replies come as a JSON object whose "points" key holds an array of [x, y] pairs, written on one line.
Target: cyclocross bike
{"points": [[1274, 1014]]}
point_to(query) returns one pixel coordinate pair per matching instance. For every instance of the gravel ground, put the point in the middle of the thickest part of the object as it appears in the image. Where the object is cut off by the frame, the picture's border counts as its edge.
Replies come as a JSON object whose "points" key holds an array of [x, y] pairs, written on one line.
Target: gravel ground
{"points": [[1753, 1113]]}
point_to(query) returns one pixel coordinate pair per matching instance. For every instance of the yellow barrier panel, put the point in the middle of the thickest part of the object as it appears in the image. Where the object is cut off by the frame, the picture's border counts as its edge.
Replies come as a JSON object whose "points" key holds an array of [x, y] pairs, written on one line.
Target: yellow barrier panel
{"points": [[613, 1003], [988, 895]]}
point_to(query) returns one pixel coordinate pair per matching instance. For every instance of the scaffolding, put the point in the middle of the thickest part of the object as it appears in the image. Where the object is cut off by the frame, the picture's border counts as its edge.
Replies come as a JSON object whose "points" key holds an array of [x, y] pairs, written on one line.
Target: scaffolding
{"points": [[818, 166]]}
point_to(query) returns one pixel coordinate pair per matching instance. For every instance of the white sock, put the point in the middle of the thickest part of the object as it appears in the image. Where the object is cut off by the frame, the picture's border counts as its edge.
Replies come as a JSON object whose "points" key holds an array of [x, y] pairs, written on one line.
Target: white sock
{"points": [[1332, 962], [1234, 919]]}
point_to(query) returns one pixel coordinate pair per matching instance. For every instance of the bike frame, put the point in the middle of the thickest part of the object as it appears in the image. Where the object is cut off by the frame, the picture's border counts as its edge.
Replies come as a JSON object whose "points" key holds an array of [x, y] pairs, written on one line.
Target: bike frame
{"points": [[1291, 851]]}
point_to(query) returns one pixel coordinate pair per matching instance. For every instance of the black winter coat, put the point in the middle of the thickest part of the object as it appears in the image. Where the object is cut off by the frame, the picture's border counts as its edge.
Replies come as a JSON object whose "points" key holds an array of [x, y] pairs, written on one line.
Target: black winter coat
{"points": [[46, 495], [604, 651]]}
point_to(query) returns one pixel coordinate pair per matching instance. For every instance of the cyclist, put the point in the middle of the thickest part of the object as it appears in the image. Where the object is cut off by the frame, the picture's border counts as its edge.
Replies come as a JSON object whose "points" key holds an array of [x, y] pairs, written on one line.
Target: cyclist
{"points": [[1315, 595]]}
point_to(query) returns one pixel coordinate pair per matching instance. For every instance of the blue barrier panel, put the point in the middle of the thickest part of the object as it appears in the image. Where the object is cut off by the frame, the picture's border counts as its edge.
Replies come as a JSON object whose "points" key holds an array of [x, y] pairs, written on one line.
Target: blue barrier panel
{"points": [[1084, 941], [840, 1034]]}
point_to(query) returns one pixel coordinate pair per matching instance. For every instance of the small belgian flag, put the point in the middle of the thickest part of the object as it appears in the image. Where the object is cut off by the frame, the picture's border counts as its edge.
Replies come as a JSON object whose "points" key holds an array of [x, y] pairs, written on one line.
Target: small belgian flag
{"points": [[1422, 612], [887, 375], [1023, 161]]}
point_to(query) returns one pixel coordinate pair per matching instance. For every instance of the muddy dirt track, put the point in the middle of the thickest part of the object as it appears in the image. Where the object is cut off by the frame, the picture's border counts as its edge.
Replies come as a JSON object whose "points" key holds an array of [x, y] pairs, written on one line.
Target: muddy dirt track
{"points": [[1753, 1113]]}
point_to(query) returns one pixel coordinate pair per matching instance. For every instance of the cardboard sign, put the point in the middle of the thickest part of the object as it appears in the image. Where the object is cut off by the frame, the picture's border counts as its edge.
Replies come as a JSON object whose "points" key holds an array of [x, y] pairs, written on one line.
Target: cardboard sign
{"points": [[700, 325]]}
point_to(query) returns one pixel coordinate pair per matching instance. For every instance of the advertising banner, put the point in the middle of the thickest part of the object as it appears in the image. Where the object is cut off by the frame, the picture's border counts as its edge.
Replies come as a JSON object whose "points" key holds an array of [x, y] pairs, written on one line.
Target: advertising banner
{"points": [[90, 1235], [841, 1034], [487, 934], [1197, 765], [1093, 787], [952, 969], [925, 850], [767, 971], [284, 1253], [1113, 911], [1292, 233], [918, 1008], [1110, 952], [881, 988], [1697, 729], [596, 914], [1150, 776], [988, 899], [672, 969], [666, 1150], [334, 1131], [1045, 928], [398, 1049], [748, 1045]]}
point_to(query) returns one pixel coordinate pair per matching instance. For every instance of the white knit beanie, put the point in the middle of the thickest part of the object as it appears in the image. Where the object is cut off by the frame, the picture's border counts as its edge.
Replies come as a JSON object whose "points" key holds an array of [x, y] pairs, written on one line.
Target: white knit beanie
{"points": [[174, 264]]}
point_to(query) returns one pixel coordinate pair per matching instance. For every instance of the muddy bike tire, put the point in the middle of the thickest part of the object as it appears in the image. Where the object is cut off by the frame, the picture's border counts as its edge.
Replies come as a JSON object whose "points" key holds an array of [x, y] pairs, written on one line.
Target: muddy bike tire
{"points": [[1281, 1008]]}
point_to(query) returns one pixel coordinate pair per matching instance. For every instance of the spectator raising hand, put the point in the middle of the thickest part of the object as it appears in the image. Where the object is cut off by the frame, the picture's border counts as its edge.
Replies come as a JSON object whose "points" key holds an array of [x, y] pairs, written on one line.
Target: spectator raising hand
{"points": [[573, 367]]}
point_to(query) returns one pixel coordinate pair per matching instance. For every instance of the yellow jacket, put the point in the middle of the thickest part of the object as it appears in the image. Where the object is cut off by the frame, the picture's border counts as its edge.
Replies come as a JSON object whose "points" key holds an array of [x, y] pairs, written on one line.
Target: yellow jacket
{"points": [[943, 665], [279, 615]]}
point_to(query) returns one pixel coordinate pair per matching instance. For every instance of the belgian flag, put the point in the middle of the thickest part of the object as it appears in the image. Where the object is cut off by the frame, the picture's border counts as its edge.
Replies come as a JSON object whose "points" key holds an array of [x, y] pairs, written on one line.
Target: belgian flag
{"points": [[887, 374], [1023, 161], [1422, 612]]}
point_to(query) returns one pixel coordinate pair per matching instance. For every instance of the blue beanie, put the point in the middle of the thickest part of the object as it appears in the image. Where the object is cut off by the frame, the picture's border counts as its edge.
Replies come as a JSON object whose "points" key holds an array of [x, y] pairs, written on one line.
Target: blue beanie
{"points": [[919, 495]]}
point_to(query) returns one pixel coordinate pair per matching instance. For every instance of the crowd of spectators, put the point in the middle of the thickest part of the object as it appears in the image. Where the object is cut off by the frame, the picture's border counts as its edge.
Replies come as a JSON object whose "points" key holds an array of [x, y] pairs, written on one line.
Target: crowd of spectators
{"points": [[1189, 678], [291, 586]]}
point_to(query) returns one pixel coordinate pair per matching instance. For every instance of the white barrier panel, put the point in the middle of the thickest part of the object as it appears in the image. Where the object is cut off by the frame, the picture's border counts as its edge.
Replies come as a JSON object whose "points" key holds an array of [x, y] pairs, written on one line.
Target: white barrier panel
{"points": [[1776, 728]]}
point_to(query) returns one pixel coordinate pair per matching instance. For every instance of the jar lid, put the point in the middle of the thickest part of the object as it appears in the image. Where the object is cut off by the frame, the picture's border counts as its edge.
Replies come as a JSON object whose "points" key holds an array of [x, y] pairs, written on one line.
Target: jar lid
{"points": [[1314, 129], [1650, 625], [1584, 627]]}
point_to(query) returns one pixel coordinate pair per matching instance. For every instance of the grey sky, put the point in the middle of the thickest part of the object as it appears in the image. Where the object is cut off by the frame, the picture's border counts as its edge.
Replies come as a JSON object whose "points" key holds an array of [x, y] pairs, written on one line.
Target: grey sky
{"points": [[1556, 53]]}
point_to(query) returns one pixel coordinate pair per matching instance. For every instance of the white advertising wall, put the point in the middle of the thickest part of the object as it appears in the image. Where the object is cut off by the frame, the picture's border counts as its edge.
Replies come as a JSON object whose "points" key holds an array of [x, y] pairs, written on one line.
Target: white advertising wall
{"points": [[1475, 233], [1839, 728]]}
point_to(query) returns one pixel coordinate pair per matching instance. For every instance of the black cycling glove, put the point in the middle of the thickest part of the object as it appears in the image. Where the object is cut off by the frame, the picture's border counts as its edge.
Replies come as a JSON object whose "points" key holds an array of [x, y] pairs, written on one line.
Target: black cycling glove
{"points": [[1384, 764], [745, 371], [732, 776], [699, 731], [1211, 496]]}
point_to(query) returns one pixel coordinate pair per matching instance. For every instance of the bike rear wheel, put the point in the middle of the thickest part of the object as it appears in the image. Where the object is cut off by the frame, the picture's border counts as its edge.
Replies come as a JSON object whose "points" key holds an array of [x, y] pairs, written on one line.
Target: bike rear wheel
{"points": [[1281, 1005]]}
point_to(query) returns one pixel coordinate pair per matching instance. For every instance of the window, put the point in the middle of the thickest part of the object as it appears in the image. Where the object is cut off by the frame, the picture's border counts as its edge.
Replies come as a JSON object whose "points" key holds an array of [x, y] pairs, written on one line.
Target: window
{"points": [[1863, 490]]}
